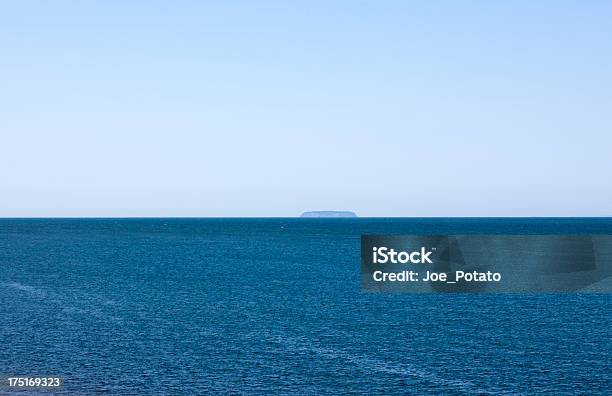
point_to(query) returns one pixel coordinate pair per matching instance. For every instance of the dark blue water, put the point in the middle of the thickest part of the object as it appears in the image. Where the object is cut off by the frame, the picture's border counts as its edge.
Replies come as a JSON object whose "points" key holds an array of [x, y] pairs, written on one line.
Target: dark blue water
{"points": [[189, 306]]}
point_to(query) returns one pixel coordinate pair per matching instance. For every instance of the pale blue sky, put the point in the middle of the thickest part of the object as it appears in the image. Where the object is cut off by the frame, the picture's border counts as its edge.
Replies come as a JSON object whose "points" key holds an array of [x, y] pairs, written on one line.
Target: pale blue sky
{"points": [[176, 108]]}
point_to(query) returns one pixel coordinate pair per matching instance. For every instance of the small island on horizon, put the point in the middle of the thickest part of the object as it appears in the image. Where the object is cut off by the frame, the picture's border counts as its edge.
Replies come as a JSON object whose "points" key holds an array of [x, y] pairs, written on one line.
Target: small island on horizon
{"points": [[329, 213]]}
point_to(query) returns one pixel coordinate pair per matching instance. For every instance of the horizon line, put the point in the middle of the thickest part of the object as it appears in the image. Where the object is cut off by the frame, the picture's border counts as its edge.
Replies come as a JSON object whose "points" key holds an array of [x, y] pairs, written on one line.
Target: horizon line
{"points": [[308, 218]]}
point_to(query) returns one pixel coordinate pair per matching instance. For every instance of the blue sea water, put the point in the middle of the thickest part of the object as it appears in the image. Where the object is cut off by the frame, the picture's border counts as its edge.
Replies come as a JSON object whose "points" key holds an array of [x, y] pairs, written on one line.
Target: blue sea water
{"points": [[194, 306]]}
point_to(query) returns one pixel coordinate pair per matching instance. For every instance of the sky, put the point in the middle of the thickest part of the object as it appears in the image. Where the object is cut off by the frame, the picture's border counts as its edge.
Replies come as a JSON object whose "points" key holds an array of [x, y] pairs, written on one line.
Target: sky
{"points": [[257, 108]]}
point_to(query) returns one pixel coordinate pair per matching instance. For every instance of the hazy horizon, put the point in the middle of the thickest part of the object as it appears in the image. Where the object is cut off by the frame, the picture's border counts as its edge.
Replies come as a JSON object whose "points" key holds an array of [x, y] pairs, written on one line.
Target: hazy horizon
{"points": [[270, 109]]}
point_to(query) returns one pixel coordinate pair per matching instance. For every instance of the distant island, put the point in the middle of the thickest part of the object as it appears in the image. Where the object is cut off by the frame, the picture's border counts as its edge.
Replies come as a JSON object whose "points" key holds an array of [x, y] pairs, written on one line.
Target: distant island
{"points": [[329, 213]]}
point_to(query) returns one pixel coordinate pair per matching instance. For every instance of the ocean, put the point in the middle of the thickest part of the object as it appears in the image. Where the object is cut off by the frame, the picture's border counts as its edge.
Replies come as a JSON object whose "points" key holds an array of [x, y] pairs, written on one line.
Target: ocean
{"points": [[266, 306]]}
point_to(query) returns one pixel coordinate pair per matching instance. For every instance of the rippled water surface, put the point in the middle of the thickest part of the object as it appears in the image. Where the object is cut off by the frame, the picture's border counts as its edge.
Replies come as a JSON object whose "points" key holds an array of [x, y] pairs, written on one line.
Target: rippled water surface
{"points": [[189, 306]]}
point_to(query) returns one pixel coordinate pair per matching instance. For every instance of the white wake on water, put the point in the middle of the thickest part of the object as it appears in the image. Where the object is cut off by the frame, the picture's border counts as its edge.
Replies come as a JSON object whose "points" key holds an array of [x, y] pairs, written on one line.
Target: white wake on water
{"points": [[370, 365]]}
